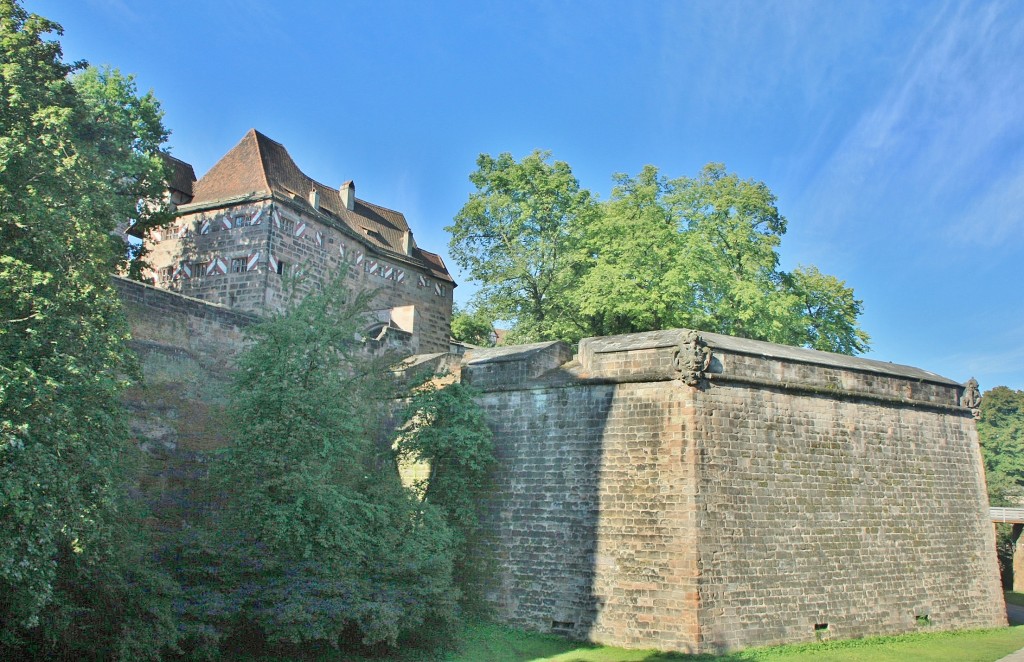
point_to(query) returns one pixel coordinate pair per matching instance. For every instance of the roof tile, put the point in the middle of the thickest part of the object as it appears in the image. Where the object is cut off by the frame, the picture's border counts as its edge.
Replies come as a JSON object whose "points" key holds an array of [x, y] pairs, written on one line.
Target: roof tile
{"points": [[258, 164]]}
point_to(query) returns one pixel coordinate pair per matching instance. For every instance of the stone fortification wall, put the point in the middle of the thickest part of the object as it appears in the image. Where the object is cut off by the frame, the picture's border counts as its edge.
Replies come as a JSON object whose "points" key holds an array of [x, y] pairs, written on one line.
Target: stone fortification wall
{"points": [[706, 493], [186, 349], [210, 333]]}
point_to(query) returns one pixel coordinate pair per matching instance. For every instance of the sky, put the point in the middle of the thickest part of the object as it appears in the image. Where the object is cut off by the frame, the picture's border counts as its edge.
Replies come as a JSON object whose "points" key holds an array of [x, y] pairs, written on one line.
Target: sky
{"points": [[891, 132]]}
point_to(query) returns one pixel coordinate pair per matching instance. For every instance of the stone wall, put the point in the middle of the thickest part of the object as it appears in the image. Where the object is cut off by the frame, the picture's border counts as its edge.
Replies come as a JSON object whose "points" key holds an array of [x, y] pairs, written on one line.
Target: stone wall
{"points": [[210, 333], [186, 349], [662, 491]]}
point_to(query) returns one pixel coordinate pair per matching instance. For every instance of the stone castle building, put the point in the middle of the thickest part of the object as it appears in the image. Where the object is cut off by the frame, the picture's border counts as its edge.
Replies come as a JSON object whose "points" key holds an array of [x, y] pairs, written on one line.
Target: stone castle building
{"points": [[255, 225], [674, 489]]}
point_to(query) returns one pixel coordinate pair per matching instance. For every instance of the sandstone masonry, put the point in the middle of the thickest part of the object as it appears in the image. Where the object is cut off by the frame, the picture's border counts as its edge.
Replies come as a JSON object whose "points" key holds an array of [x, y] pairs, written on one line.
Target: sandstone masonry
{"points": [[256, 231], [705, 493]]}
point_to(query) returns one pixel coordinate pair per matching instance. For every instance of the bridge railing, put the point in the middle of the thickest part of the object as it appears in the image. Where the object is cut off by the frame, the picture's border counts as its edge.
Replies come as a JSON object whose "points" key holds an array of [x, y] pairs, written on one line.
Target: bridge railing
{"points": [[1010, 515]]}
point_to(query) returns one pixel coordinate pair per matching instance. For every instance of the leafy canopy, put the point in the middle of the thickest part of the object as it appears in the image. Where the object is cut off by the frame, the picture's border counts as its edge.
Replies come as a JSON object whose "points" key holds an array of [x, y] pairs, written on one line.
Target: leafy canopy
{"points": [[472, 326], [660, 253], [517, 236], [78, 154], [1001, 434], [317, 541]]}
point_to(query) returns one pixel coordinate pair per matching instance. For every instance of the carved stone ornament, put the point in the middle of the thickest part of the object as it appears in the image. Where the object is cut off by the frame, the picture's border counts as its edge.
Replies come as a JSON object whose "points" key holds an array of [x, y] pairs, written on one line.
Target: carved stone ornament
{"points": [[692, 358], [971, 397]]}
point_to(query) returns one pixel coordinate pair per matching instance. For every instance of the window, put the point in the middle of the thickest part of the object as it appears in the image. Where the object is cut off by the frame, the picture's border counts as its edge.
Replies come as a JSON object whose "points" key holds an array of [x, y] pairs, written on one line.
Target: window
{"points": [[199, 269], [238, 265], [166, 273], [241, 221], [282, 268], [287, 227]]}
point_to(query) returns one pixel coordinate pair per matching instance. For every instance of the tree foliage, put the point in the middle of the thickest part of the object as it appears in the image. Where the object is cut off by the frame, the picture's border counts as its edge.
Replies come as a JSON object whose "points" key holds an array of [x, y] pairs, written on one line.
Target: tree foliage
{"points": [[1001, 434], [78, 152], [445, 429], [661, 253], [317, 541], [472, 326], [517, 236]]}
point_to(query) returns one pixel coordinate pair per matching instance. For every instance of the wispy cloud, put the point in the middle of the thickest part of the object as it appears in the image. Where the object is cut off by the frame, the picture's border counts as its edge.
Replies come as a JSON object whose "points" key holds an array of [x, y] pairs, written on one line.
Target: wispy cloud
{"points": [[930, 143], [994, 217]]}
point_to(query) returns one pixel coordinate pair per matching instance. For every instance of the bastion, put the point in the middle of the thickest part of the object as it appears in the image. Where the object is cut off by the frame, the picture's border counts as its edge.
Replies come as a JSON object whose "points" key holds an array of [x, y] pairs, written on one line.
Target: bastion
{"points": [[696, 492], [675, 490]]}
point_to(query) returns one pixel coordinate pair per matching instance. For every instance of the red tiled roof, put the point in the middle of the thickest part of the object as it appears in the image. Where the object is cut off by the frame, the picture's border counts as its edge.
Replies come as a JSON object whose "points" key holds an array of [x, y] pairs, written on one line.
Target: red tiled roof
{"points": [[239, 172], [434, 263], [259, 165], [180, 175]]}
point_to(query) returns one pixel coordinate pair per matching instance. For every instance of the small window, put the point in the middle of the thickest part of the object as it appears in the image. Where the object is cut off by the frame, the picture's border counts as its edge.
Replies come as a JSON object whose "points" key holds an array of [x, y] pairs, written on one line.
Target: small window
{"points": [[237, 265], [199, 269], [282, 268], [166, 273], [287, 226], [241, 221]]}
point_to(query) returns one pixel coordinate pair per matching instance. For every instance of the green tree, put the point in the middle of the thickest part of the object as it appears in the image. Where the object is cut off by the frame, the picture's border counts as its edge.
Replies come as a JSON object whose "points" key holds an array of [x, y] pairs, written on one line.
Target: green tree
{"points": [[827, 313], [445, 429], [77, 154], [1001, 435], [689, 252], [732, 229], [634, 278], [472, 326], [317, 542], [517, 236]]}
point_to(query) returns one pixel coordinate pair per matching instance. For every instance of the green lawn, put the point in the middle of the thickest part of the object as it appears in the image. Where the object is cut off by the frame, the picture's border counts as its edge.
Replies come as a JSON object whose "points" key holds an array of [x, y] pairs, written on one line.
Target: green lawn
{"points": [[1015, 598], [487, 642], [493, 643]]}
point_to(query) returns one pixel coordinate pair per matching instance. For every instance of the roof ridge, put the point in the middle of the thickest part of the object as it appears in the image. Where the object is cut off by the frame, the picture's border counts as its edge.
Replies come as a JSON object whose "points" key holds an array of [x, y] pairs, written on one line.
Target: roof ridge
{"points": [[171, 156], [259, 152], [374, 204]]}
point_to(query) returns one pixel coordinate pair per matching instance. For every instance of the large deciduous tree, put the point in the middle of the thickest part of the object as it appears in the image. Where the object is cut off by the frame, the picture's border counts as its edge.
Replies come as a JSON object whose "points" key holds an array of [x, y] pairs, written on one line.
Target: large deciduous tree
{"points": [[78, 154], [662, 253], [518, 237]]}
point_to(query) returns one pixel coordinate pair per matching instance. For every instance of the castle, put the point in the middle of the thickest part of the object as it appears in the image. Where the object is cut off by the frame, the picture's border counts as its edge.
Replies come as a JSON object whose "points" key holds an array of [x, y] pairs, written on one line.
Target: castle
{"points": [[256, 222], [674, 489]]}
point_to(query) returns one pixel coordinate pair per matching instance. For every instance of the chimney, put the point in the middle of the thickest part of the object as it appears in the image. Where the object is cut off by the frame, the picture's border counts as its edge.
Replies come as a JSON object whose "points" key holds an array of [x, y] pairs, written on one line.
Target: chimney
{"points": [[407, 242], [348, 194], [314, 198]]}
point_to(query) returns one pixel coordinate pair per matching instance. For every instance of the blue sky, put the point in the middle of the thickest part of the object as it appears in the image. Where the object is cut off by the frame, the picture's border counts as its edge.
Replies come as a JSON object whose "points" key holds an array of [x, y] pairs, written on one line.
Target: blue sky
{"points": [[892, 132]]}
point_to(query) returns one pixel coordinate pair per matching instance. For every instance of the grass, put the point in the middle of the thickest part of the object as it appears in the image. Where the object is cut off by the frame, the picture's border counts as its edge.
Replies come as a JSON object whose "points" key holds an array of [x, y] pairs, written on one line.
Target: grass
{"points": [[494, 643], [488, 642], [1015, 598]]}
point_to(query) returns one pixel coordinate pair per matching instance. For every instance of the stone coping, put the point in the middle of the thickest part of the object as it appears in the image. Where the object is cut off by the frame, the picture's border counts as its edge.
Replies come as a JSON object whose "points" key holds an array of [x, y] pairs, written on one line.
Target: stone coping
{"points": [[672, 337], [507, 353]]}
